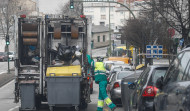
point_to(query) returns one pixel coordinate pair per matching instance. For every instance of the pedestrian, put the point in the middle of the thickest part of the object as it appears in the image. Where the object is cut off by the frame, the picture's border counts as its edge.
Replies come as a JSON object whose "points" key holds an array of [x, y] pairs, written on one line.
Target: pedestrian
{"points": [[101, 79]]}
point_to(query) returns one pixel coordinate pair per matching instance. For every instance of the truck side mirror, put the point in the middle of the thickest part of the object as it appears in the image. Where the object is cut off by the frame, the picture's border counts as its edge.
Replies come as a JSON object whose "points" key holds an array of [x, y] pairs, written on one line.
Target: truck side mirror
{"points": [[159, 83]]}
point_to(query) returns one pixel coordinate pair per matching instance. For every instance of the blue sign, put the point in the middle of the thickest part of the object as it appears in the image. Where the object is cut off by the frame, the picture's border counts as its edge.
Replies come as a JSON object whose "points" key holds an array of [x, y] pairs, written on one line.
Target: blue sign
{"points": [[154, 51]]}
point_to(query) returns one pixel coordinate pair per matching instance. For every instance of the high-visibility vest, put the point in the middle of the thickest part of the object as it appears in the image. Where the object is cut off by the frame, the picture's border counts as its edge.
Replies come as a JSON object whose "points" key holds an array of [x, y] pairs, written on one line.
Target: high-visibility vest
{"points": [[99, 66]]}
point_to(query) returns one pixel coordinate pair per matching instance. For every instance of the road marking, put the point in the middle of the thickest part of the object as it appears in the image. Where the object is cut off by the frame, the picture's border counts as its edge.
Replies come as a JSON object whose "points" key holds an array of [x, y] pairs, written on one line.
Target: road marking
{"points": [[12, 109], [7, 84]]}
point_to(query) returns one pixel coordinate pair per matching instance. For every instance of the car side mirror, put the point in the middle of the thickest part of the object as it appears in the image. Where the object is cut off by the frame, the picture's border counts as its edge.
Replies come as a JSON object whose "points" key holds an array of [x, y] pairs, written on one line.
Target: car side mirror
{"points": [[159, 83], [132, 86]]}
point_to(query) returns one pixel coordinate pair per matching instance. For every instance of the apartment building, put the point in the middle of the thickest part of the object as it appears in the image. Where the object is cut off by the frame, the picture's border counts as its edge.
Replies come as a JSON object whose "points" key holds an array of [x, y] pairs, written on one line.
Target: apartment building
{"points": [[99, 11]]}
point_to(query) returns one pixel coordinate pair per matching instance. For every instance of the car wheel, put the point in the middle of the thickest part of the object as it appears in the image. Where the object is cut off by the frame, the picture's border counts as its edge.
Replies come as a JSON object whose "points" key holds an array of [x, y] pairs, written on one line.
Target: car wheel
{"points": [[91, 90]]}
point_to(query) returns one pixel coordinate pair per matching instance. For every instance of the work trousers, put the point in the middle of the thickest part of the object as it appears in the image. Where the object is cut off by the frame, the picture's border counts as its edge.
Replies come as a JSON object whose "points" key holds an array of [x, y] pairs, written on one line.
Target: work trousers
{"points": [[103, 97]]}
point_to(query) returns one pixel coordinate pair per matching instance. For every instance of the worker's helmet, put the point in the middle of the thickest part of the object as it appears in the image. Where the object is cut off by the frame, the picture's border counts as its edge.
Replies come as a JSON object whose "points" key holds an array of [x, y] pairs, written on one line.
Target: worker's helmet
{"points": [[100, 59]]}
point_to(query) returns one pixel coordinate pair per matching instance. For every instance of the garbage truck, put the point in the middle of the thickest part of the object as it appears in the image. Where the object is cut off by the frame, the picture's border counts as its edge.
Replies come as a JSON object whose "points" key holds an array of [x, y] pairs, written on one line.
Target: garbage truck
{"points": [[50, 64]]}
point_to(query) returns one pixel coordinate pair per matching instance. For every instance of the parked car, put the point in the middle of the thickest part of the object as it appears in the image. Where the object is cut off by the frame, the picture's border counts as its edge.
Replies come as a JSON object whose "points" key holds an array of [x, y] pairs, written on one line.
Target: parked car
{"points": [[174, 87], [116, 68], [115, 83], [144, 89], [108, 64], [11, 55], [125, 91], [3, 56], [120, 67]]}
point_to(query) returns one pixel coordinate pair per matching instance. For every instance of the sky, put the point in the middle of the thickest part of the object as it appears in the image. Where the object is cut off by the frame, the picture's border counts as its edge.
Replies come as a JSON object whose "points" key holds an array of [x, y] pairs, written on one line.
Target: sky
{"points": [[51, 6]]}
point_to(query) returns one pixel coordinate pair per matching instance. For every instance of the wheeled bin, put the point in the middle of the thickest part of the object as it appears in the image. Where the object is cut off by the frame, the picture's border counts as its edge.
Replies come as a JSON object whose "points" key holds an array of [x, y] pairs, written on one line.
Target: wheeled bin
{"points": [[27, 93], [63, 86]]}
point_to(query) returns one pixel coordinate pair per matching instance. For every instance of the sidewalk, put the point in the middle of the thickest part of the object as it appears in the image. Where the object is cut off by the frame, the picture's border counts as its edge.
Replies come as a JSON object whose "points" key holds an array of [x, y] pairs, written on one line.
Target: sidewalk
{"points": [[5, 78]]}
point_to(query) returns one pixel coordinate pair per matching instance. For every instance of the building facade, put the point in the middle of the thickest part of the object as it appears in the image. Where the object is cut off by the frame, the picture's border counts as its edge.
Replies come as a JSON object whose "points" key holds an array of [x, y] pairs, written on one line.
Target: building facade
{"points": [[100, 36], [99, 11]]}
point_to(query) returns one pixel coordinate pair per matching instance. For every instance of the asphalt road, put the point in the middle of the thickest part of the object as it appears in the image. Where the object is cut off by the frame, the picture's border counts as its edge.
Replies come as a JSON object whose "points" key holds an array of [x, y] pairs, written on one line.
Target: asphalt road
{"points": [[7, 100]]}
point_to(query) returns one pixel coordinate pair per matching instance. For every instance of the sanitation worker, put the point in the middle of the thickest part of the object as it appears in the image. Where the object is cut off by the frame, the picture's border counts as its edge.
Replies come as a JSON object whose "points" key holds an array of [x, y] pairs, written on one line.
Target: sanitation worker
{"points": [[101, 79]]}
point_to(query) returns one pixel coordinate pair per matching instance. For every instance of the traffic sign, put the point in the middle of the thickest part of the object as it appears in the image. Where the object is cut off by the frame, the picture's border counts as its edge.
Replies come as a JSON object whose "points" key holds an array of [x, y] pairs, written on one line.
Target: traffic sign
{"points": [[154, 51], [171, 32]]}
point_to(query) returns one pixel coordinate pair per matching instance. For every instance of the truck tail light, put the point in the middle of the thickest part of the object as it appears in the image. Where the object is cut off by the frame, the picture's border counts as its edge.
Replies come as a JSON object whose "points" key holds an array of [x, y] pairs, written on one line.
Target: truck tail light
{"points": [[116, 85], [150, 91], [88, 77]]}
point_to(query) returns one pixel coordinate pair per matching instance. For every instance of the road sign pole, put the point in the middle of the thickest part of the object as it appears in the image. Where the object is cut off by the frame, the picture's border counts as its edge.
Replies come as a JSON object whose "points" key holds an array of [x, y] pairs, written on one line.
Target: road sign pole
{"points": [[8, 59], [7, 45]]}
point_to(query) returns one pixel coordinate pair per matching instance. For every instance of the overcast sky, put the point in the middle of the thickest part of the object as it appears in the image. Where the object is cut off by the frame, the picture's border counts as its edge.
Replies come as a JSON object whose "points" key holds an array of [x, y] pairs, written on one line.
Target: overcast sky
{"points": [[51, 6]]}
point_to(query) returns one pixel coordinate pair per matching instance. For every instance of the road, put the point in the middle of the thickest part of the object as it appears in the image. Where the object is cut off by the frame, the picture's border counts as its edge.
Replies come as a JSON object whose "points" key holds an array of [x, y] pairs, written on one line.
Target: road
{"points": [[7, 99], [4, 66]]}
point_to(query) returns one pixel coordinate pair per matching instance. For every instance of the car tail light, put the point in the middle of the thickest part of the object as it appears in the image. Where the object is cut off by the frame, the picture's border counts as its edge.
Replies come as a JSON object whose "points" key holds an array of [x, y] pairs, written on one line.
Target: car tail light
{"points": [[116, 85], [150, 91], [108, 79]]}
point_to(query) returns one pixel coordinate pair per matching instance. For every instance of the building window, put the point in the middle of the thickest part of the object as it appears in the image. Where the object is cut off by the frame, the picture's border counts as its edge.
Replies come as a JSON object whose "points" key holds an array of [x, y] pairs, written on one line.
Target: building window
{"points": [[111, 16], [98, 38], [102, 23], [103, 9], [103, 17], [112, 25], [104, 38]]}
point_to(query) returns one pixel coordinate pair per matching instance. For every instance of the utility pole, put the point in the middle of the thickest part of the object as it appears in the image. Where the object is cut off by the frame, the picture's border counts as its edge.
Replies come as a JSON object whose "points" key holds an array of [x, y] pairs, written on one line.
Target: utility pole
{"points": [[7, 34], [153, 29], [109, 32], [130, 9]]}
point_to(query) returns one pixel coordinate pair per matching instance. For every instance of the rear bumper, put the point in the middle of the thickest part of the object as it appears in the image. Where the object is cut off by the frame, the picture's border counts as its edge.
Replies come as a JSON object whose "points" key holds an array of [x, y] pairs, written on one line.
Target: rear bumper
{"points": [[116, 94], [147, 105]]}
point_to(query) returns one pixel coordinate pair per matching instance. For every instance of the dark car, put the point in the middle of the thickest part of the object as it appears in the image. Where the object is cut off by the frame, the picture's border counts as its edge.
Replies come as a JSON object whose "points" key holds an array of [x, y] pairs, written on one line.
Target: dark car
{"points": [[174, 87], [3, 56], [144, 89], [125, 91]]}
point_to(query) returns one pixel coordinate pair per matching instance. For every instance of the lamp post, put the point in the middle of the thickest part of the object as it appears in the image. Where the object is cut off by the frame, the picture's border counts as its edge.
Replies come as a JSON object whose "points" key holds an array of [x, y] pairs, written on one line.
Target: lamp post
{"points": [[109, 32]]}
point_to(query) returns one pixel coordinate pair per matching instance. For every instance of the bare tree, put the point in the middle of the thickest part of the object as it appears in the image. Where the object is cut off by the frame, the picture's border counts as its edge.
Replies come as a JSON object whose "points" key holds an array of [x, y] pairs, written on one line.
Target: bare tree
{"points": [[176, 13], [137, 32], [8, 10]]}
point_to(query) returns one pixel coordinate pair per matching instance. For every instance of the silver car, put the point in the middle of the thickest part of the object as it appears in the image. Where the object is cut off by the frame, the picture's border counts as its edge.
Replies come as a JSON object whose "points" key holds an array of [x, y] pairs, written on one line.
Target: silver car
{"points": [[115, 85]]}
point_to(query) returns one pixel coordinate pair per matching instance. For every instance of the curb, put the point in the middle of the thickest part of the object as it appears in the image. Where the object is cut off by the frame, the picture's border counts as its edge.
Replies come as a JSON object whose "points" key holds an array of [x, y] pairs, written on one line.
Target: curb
{"points": [[6, 78]]}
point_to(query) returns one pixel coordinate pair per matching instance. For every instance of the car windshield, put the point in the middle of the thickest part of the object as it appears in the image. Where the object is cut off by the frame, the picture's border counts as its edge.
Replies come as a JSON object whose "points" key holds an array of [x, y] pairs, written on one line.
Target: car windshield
{"points": [[108, 66], [10, 53], [126, 69], [121, 75], [158, 73], [117, 69]]}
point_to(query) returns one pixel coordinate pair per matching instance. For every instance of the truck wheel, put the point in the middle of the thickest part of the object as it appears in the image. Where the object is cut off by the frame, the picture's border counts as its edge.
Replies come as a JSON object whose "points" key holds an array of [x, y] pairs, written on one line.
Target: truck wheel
{"points": [[91, 91], [38, 101], [76, 108], [51, 108], [83, 104]]}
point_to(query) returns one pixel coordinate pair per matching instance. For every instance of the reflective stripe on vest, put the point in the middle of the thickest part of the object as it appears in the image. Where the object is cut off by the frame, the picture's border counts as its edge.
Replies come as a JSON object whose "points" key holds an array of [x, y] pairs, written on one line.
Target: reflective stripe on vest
{"points": [[100, 72], [99, 66], [108, 101], [100, 103]]}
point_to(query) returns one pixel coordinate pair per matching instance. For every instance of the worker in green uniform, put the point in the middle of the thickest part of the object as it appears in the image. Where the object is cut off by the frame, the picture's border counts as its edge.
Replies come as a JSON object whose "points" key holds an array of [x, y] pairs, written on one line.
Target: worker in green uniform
{"points": [[101, 79]]}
